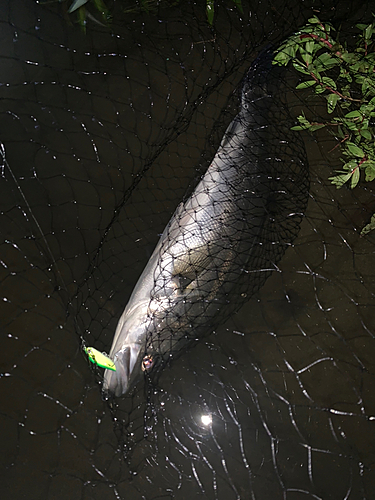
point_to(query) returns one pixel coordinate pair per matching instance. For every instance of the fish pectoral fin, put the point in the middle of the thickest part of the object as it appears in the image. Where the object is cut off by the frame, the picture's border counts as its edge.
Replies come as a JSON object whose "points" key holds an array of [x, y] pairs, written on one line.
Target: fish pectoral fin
{"points": [[188, 266], [199, 271], [208, 278], [193, 261]]}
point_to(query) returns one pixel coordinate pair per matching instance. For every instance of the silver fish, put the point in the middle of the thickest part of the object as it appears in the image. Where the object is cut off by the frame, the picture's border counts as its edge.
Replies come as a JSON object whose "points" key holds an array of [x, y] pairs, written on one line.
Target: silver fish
{"points": [[200, 270]]}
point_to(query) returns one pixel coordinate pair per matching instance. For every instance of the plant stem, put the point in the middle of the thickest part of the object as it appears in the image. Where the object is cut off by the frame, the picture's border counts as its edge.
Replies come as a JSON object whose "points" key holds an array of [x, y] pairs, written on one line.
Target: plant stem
{"points": [[316, 37], [333, 91]]}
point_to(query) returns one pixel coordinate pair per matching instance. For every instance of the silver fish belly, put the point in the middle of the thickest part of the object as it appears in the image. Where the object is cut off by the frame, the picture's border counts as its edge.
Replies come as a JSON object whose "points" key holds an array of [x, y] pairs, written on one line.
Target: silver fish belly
{"points": [[204, 259]]}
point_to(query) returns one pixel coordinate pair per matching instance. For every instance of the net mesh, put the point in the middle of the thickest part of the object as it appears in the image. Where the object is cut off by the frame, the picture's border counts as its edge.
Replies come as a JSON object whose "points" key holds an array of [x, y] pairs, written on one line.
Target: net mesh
{"points": [[103, 135]]}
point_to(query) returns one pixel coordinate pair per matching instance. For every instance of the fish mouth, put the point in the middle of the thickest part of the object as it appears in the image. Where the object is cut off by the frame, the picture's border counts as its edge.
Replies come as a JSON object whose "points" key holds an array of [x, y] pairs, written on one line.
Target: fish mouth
{"points": [[119, 382]]}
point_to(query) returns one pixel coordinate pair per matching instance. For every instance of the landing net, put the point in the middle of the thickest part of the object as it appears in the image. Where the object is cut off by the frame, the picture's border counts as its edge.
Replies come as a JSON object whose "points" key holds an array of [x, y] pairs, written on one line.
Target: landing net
{"points": [[103, 135]]}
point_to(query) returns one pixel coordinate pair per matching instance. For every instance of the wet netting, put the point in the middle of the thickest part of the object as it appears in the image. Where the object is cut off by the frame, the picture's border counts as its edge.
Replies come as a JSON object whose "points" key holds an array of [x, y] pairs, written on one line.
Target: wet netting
{"points": [[150, 164]]}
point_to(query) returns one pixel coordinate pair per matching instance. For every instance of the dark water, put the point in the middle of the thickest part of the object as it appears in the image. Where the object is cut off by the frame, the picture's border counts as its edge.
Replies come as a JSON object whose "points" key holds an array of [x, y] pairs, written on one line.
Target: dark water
{"points": [[102, 135]]}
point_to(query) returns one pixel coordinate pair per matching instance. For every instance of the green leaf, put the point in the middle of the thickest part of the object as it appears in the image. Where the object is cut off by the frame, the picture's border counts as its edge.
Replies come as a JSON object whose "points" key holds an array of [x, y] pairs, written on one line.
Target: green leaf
{"points": [[102, 8], [144, 6], [298, 127], [371, 84], [282, 58], [329, 82], [316, 127], [351, 165], [76, 5], [300, 67], [369, 31], [364, 124], [320, 89], [304, 85], [369, 227], [345, 104], [366, 109], [348, 123], [355, 178], [238, 4], [306, 56], [332, 101], [349, 57], [366, 134], [345, 90], [81, 14], [303, 120], [355, 150], [210, 11], [353, 114], [326, 61], [369, 171], [339, 180], [340, 133], [309, 47]]}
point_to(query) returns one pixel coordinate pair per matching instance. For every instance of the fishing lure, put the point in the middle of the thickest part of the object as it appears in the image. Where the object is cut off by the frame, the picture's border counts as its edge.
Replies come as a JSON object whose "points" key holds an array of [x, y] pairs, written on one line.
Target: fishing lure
{"points": [[100, 359]]}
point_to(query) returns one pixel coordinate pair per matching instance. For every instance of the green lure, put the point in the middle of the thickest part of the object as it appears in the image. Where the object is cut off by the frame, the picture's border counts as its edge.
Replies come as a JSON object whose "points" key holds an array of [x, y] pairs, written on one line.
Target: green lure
{"points": [[99, 358]]}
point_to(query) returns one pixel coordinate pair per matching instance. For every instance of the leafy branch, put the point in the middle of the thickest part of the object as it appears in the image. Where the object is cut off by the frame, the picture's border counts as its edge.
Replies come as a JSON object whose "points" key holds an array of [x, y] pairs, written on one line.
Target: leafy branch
{"points": [[346, 79]]}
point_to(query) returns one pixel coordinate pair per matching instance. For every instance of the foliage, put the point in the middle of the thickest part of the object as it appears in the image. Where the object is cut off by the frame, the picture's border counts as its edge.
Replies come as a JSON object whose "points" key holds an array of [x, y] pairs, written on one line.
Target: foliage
{"points": [[346, 80], [370, 226], [81, 9]]}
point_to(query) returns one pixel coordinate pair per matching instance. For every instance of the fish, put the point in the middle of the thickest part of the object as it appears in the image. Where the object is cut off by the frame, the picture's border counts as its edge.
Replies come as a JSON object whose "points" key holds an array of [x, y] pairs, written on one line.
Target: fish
{"points": [[217, 242]]}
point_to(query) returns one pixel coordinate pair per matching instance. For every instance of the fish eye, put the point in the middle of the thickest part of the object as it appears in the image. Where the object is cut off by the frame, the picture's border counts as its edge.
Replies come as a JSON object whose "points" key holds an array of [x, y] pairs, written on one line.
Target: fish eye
{"points": [[147, 363]]}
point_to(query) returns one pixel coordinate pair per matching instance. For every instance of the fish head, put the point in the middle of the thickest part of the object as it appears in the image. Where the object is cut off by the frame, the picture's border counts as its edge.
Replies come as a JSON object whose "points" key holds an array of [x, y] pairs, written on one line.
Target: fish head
{"points": [[119, 382], [128, 353]]}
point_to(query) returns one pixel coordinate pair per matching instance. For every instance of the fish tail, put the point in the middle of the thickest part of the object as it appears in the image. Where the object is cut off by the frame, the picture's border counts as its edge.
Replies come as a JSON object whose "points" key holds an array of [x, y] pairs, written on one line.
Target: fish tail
{"points": [[261, 79]]}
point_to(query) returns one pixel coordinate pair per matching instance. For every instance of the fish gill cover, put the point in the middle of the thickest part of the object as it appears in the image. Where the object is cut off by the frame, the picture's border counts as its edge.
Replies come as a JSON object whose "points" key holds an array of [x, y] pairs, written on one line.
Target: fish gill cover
{"points": [[105, 136]]}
